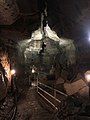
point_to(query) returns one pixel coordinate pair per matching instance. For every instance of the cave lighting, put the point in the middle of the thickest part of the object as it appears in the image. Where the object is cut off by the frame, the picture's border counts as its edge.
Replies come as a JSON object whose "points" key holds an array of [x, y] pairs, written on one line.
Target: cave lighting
{"points": [[88, 35], [13, 72], [89, 39], [87, 76], [33, 71]]}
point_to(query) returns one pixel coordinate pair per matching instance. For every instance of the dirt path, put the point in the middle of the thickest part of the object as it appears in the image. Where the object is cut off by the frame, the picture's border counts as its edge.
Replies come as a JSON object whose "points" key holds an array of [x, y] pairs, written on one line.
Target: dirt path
{"points": [[29, 109]]}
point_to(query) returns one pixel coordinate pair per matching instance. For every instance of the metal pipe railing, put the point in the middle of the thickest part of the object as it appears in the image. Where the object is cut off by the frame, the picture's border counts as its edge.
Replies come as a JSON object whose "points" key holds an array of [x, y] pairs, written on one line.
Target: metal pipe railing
{"points": [[48, 100], [53, 89], [51, 96]]}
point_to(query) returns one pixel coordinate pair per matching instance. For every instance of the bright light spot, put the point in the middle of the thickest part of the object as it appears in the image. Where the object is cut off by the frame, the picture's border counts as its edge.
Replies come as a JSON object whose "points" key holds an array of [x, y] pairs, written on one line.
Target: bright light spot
{"points": [[87, 76], [33, 71], [51, 34], [88, 36], [89, 39], [37, 35], [33, 84], [13, 72]]}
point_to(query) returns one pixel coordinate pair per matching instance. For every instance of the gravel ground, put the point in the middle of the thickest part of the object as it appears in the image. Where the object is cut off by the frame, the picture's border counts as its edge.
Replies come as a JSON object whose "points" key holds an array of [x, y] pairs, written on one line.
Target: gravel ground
{"points": [[28, 107], [7, 108]]}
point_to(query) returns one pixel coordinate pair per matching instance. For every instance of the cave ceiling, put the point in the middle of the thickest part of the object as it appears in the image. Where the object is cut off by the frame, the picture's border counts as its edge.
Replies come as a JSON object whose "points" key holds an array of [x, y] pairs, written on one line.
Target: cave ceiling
{"points": [[70, 19]]}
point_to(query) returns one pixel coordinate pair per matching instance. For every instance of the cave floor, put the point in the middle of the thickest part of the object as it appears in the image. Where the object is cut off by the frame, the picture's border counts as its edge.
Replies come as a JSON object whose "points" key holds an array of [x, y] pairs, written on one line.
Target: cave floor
{"points": [[28, 107]]}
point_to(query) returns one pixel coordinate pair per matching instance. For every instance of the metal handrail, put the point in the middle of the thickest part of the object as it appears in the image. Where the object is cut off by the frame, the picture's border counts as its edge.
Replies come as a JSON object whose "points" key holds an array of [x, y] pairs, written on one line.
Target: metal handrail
{"points": [[48, 100], [53, 89], [49, 95], [52, 96]]}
